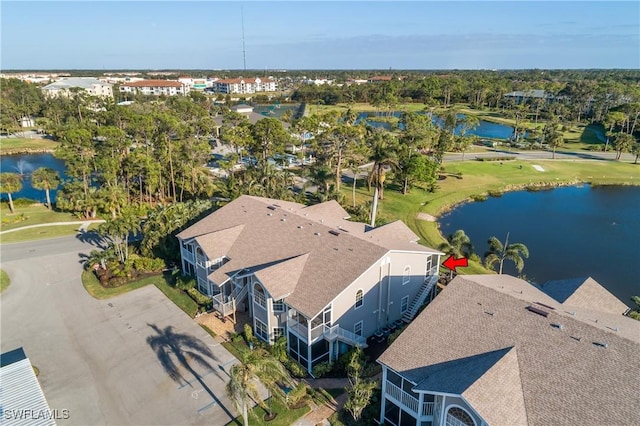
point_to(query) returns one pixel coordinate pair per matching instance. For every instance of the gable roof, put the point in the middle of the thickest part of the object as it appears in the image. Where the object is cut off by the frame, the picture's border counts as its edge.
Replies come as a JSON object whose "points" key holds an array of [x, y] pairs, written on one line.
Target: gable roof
{"points": [[584, 293], [276, 231], [281, 279], [217, 244], [560, 370]]}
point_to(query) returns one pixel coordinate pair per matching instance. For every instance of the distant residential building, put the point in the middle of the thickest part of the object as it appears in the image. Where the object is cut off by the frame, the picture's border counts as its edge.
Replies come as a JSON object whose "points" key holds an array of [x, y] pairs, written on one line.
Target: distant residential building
{"points": [[245, 85], [520, 96], [497, 350], [90, 85], [156, 87], [319, 81], [379, 79], [357, 81]]}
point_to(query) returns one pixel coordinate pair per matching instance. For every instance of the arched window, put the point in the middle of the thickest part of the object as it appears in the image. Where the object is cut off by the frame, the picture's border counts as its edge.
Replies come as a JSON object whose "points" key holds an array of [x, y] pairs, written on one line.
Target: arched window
{"points": [[406, 275], [201, 259], [359, 298], [259, 296], [456, 416]]}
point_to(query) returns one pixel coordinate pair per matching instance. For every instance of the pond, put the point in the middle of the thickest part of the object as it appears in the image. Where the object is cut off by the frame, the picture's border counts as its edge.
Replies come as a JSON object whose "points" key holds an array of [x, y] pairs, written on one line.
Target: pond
{"points": [[570, 232], [25, 164], [485, 129]]}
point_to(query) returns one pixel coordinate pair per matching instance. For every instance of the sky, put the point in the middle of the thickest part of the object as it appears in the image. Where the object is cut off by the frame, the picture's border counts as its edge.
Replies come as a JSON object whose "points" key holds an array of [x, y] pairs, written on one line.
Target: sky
{"points": [[319, 34]]}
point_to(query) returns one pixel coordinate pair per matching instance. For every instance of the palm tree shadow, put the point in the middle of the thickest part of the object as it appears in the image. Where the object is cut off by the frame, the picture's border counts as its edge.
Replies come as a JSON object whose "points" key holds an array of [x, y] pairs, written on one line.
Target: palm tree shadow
{"points": [[92, 238], [175, 351]]}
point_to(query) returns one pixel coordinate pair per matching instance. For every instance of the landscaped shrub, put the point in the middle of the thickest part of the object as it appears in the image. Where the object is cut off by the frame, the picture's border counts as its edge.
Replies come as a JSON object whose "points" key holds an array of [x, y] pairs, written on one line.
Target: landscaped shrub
{"points": [[503, 158], [14, 219], [479, 197], [198, 297], [495, 192], [297, 397], [184, 282], [248, 333], [295, 368], [147, 264], [321, 369]]}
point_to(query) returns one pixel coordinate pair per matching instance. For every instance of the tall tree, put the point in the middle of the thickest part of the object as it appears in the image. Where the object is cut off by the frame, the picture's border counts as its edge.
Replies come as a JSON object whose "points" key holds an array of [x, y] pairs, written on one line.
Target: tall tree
{"points": [[458, 244], [269, 137], [10, 183], [498, 252], [623, 142], [552, 136], [45, 178], [256, 365]]}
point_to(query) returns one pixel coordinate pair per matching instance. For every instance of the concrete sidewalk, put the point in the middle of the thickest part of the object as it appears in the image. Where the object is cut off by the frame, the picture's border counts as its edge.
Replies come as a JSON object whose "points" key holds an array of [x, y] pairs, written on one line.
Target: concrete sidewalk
{"points": [[84, 224]]}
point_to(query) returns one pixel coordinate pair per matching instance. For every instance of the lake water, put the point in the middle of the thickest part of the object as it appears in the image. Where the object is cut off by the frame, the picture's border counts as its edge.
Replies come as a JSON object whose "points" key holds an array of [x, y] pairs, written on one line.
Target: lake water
{"points": [[485, 129], [570, 232], [25, 164]]}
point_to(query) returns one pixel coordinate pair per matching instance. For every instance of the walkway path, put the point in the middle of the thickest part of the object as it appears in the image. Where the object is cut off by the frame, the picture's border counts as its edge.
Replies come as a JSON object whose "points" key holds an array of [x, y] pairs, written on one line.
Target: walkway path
{"points": [[84, 224]]}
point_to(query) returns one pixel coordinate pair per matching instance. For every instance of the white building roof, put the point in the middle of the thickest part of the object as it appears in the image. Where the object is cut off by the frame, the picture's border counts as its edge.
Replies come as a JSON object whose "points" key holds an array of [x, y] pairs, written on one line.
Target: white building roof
{"points": [[68, 83], [20, 392]]}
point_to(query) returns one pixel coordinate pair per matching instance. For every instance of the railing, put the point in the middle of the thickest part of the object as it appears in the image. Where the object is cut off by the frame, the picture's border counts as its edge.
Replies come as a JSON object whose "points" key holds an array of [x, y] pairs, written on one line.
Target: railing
{"points": [[428, 408], [401, 396], [297, 327], [239, 295], [452, 421], [336, 332], [317, 332], [224, 304], [187, 256]]}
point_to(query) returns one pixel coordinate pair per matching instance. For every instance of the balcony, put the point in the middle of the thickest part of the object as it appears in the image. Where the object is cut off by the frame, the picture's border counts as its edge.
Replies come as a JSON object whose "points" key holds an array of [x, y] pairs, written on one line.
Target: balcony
{"points": [[187, 256], [408, 401], [299, 328], [336, 332]]}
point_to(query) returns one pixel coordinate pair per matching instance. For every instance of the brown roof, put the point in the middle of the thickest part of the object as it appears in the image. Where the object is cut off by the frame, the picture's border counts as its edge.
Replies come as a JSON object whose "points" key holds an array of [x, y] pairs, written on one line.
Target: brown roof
{"points": [[281, 279], [273, 234], [381, 78], [217, 244], [154, 83], [584, 293], [480, 341]]}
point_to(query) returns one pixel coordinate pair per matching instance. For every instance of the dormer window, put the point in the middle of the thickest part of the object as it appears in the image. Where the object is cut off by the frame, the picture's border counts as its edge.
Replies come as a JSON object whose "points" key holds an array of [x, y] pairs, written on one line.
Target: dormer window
{"points": [[359, 298]]}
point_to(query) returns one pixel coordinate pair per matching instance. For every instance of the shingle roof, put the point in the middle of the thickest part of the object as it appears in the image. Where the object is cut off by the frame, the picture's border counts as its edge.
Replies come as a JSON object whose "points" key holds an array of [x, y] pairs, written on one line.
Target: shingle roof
{"points": [[273, 234], [281, 279], [565, 378], [217, 244], [584, 293]]}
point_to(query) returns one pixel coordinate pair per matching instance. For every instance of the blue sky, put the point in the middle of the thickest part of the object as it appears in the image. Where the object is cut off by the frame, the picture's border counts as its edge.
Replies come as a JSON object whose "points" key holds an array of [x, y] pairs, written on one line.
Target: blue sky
{"points": [[319, 35]]}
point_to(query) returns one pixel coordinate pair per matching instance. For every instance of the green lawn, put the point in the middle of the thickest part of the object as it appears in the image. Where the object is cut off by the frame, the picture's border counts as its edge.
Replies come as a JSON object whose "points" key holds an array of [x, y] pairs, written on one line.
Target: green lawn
{"points": [[31, 215], [163, 282], [17, 145], [39, 233], [480, 177], [4, 280], [285, 415]]}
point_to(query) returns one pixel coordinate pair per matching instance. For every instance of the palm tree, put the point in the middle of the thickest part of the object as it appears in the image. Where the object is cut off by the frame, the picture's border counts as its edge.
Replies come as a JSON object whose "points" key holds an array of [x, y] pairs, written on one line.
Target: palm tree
{"points": [[458, 244], [45, 178], [257, 365], [10, 183], [498, 252]]}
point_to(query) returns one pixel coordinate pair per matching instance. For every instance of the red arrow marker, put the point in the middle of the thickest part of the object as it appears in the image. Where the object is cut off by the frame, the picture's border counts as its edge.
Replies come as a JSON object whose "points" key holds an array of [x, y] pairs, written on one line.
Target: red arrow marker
{"points": [[452, 263]]}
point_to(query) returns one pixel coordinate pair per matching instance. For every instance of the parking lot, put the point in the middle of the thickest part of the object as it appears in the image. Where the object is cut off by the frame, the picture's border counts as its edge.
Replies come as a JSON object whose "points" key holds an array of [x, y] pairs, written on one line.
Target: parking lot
{"points": [[133, 359]]}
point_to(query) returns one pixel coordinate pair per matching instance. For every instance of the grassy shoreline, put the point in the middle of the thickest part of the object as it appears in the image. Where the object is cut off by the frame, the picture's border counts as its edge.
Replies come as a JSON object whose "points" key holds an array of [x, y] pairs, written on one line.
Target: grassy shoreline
{"points": [[481, 178], [10, 146]]}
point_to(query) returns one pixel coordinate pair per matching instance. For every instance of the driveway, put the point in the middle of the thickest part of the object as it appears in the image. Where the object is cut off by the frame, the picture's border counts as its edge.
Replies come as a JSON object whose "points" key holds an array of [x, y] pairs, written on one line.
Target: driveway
{"points": [[133, 359]]}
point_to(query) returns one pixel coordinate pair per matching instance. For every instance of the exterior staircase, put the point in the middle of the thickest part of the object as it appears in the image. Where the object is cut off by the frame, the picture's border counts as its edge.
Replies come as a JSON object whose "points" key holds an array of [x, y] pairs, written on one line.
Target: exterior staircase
{"points": [[226, 305], [425, 291], [346, 336]]}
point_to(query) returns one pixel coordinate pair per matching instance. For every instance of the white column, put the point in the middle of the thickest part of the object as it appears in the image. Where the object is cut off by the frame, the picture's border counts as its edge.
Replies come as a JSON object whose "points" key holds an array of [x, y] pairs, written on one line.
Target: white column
{"points": [[384, 390]]}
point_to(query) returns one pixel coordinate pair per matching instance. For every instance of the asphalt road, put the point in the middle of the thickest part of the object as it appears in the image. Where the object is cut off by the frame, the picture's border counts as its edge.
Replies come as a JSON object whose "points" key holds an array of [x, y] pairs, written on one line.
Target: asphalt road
{"points": [[539, 155], [135, 359]]}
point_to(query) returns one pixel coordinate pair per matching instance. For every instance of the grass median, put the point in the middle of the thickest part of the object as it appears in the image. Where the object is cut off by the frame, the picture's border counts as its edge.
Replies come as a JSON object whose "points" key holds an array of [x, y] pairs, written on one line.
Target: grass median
{"points": [[32, 214], [4, 280], [39, 233], [20, 145]]}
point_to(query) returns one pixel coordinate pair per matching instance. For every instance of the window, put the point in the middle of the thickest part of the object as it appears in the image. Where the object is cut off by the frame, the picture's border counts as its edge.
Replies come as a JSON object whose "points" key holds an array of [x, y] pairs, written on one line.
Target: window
{"points": [[406, 275], [278, 305], [456, 416], [277, 333], [431, 264], [357, 329], [261, 330], [404, 304], [200, 258], [259, 296], [359, 298]]}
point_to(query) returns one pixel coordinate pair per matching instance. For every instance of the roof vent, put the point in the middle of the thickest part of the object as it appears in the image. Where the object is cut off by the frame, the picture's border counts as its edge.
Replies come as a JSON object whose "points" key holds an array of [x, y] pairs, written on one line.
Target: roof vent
{"points": [[334, 232], [299, 226], [537, 311], [488, 313], [601, 344], [576, 338], [272, 207], [269, 214], [342, 229], [283, 220], [558, 326], [316, 233]]}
